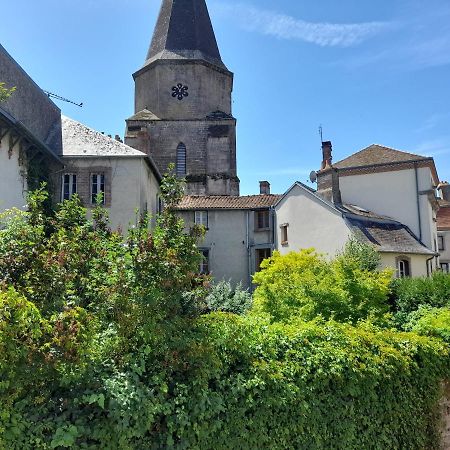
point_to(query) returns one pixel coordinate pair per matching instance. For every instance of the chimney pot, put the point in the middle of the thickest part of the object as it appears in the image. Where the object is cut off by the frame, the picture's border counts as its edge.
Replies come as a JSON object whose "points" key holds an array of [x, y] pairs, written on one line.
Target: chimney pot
{"points": [[264, 187], [444, 187], [327, 154]]}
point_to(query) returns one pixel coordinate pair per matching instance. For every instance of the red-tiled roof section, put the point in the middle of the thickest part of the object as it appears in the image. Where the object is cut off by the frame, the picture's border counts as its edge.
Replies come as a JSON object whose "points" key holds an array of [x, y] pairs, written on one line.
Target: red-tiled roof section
{"points": [[191, 202], [443, 218], [377, 155]]}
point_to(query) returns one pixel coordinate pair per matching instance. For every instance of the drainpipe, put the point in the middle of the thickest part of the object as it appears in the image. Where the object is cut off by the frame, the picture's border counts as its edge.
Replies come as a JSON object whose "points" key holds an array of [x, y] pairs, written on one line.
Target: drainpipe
{"points": [[428, 265], [273, 220], [418, 202], [249, 255]]}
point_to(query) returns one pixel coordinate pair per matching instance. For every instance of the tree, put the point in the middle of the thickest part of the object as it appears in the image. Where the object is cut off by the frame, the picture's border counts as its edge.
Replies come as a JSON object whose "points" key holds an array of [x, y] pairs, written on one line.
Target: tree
{"points": [[5, 93]]}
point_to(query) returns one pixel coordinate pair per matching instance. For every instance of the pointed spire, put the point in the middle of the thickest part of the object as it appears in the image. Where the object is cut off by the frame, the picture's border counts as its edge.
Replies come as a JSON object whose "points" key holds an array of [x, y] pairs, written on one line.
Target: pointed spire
{"points": [[184, 31]]}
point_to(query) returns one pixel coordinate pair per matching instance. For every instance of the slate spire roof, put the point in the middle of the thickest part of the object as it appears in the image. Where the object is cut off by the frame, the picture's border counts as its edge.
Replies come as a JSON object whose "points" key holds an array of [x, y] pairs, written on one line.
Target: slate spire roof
{"points": [[184, 31]]}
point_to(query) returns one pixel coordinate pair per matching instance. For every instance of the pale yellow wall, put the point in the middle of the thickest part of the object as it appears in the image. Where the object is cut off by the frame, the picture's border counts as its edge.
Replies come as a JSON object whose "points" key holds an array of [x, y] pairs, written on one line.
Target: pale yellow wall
{"points": [[12, 185], [418, 263], [133, 187], [312, 223]]}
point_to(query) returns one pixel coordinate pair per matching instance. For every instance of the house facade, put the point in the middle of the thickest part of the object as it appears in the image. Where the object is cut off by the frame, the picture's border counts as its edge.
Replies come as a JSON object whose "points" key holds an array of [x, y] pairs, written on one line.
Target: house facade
{"points": [[239, 232], [443, 226]]}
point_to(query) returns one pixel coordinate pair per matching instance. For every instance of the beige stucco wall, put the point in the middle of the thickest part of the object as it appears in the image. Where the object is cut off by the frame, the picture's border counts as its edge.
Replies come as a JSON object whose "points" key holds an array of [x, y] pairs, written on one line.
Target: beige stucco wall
{"points": [[12, 184], [312, 223], [445, 254], [418, 263], [133, 186], [394, 194], [232, 252]]}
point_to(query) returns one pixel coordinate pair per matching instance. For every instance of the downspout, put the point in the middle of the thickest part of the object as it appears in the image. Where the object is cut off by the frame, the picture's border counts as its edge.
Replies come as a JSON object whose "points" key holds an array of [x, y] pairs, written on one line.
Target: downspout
{"points": [[428, 265], [418, 202], [249, 259], [273, 221]]}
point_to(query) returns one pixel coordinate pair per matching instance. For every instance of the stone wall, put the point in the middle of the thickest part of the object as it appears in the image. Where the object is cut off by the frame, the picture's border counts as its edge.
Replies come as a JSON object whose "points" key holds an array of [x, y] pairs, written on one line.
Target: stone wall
{"points": [[444, 408]]}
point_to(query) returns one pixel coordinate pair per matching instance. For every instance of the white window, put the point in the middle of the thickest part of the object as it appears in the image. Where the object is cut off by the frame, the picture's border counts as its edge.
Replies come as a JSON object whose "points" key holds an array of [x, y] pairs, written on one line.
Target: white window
{"points": [[69, 185], [201, 218], [97, 187], [284, 234], [404, 269], [181, 160], [441, 243], [445, 267], [204, 264]]}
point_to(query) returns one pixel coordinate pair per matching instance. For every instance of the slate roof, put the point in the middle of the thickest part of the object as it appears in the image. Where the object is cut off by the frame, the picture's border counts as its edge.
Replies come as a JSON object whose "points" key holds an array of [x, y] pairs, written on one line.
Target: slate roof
{"points": [[194, 202], [388, 237], [81, 141], [443, 216], [378, 155], [184, 30]]}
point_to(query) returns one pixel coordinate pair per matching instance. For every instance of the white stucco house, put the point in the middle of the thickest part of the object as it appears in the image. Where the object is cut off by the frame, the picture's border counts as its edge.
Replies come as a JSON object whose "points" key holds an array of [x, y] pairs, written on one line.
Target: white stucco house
{"points": [[94, 163], [239, 232]]}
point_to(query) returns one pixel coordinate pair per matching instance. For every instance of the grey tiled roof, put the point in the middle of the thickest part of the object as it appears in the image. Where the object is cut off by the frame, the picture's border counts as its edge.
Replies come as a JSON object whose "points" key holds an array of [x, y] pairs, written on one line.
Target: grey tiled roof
{"points": [[194, 202], [387, 236], [81, 141], [184, 30]]}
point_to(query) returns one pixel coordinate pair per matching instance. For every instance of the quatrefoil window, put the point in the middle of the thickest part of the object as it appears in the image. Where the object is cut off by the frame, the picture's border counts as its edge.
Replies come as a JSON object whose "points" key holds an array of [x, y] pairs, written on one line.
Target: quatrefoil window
{"points": [[179, 91]]}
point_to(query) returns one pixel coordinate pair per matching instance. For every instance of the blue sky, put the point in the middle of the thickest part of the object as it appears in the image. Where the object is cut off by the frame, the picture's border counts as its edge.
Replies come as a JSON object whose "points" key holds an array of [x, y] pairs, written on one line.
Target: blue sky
{"points": [[368, 72]]}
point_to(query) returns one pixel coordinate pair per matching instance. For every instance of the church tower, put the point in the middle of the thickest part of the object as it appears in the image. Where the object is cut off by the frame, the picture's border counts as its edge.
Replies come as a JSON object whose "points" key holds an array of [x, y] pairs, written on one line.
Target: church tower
{"points": [[183, 102]]}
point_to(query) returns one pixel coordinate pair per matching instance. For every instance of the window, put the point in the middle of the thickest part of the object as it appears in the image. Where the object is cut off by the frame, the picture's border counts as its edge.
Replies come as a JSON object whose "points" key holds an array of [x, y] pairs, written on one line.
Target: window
{"points": [[261, 255], [441, 243], [181, 160], [201, 218], [204, 264], [284, 234], [69, 185], [403, 268], [445, 267], [159, 204], [262, 219], [97, 187]]}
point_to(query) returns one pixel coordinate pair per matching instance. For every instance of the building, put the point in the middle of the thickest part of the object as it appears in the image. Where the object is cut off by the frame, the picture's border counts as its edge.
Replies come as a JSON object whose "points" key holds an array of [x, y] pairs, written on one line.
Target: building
{"points": [[30, 136], [239, 232], [389, 183], [96, 164], [183, 111], [305, 219], [443, 226]]}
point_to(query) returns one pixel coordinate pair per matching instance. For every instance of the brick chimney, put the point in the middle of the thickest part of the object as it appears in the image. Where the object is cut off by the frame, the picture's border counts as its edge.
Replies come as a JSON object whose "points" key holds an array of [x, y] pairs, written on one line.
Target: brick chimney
{"points": [[444, 187], [264, 187], [327, 154]]}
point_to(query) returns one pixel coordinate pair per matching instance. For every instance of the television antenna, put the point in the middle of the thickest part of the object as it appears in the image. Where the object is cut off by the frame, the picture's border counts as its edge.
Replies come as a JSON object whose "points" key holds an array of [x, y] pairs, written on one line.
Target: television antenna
{"points": [[58, 97]]}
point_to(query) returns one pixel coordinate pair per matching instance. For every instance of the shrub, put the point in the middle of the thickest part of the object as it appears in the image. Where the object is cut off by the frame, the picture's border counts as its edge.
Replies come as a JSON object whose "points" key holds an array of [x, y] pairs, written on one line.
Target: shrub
{"points": [[305, 285], [363, 254], [222, 297], [428, 321]]}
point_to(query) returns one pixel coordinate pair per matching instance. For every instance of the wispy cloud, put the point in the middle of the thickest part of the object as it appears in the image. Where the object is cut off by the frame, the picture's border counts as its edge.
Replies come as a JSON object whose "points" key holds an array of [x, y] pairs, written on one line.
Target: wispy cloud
{"points": [[283, 26], [434, 147]]}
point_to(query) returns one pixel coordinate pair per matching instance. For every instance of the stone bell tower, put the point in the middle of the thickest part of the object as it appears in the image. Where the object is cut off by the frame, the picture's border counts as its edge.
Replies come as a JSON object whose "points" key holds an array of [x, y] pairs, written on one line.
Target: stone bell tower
{"points": [[183, 102]]}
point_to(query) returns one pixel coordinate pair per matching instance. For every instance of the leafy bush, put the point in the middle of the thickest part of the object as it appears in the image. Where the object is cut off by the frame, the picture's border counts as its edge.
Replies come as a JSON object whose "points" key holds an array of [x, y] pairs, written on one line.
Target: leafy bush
{"points": [[222, 297], [305, 285], [428, 321], [363, 254], [409, 294]]}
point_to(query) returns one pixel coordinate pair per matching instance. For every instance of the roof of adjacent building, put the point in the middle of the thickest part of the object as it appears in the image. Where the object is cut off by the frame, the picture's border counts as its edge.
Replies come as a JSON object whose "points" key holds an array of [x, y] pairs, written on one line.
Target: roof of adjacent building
{"points": [[197, 202], [82, 141], [378, 155], [387, 237], [184, 31], [443, 216]]}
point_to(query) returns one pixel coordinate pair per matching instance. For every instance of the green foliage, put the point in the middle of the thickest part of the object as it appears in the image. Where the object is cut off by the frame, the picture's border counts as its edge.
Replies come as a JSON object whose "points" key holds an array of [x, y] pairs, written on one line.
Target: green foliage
{"points": [[222, 297], [364, 254], [409, 294], [428, 321], [103, 346], [304, 285], [5, 93]]}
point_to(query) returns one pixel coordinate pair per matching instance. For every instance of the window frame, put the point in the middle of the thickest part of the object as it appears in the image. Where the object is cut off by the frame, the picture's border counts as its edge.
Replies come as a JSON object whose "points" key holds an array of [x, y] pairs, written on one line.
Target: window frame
{"points": [[265, 214], [284, 233], [93, 197], [441, 243], [259, 259], [181, 154], [204, 266], [202, 214], [404, 272], [73, 185], [447, 267]]}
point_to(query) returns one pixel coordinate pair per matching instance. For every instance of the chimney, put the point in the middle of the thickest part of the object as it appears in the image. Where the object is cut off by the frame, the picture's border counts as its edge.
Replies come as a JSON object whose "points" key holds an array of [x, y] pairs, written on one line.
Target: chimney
{"points": [[118, 139], [264, 187], [335, 187], [444, 187], [327, 158]]}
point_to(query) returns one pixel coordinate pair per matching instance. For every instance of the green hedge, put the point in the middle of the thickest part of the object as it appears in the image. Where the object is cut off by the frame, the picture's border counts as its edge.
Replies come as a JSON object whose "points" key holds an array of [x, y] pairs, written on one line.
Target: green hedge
{"points": [[240, 382]]}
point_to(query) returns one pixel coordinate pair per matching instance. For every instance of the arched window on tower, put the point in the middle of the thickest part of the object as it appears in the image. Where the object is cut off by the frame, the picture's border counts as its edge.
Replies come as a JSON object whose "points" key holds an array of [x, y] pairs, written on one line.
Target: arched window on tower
{"points": [[181, 160]]}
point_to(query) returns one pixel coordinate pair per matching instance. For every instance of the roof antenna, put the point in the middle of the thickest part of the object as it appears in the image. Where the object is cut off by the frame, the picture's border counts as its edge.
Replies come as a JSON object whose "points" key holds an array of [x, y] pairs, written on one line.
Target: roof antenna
{"points": [[58, 97], [321, 134]]}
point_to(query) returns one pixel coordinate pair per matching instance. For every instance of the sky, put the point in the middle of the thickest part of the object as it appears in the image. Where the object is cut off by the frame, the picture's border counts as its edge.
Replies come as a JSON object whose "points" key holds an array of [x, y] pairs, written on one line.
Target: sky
{"points": [[367, 72]]}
